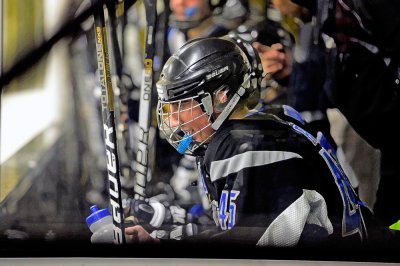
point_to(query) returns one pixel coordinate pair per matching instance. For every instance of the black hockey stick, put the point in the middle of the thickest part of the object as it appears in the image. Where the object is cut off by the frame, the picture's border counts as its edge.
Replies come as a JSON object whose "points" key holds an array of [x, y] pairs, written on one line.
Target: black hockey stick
{"points": [[145, 102], [107, 106], [117, 16]]}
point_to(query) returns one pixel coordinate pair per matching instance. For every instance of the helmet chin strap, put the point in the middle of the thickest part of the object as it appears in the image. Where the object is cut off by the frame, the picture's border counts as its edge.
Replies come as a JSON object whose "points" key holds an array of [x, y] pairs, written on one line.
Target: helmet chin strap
{"points": [[232, 103]]}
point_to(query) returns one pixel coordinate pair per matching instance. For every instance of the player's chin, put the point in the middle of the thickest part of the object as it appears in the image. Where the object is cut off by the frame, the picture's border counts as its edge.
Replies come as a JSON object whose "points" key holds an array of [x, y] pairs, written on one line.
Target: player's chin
{"points": [[197, 139]]}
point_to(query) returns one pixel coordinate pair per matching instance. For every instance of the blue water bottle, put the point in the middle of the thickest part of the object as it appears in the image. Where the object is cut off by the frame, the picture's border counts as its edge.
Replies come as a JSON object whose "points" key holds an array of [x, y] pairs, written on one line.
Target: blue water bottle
{"points": [[101, 225]]}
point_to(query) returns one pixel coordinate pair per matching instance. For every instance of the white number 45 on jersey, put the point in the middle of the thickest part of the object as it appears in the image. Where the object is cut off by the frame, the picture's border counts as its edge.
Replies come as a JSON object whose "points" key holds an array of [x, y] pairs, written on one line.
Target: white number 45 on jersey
{"points": [[227, 209]]}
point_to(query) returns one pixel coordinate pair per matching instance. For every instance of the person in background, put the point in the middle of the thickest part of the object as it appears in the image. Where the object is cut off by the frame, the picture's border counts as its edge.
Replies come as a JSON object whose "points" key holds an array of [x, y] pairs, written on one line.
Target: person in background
{"points": [[368, 82], [308, 70], [305, 68], [191, 19]]}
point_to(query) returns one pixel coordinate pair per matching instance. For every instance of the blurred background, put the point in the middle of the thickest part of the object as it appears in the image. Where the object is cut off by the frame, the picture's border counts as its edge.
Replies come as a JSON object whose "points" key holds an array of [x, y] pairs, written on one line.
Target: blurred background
{"points": [[53, 163], [43, 175]]}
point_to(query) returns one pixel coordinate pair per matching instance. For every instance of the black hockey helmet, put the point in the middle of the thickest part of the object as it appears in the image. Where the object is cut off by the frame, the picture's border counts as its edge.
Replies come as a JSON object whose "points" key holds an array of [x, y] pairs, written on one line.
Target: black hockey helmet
{"points": [[196, 71], [203, 65], [250, 52]]}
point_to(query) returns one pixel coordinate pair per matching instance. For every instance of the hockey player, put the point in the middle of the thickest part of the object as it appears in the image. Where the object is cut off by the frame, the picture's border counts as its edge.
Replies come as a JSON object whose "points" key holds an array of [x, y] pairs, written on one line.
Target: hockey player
{"points": [[193, 19], [269, 182]]}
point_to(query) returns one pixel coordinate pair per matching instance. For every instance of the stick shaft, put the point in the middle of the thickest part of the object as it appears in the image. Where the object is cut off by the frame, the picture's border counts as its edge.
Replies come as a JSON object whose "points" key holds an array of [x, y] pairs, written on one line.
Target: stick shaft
{"points": [[145, 102], [107, 110]]}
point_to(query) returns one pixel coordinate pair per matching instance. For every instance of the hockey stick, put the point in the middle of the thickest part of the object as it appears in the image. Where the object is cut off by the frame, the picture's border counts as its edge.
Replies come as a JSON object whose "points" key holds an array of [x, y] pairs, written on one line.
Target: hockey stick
{"points": [[145, 102], [117, 16], [107, 106]]}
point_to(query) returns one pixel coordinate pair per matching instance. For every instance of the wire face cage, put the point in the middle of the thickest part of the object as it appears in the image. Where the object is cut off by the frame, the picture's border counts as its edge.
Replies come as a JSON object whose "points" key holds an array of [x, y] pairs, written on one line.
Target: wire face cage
{"points": [[175, 120]]}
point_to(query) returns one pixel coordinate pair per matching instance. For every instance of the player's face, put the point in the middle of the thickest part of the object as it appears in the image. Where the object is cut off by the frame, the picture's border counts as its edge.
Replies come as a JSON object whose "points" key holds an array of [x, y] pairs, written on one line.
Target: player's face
{"points": [[180, 9], [190, 117]]}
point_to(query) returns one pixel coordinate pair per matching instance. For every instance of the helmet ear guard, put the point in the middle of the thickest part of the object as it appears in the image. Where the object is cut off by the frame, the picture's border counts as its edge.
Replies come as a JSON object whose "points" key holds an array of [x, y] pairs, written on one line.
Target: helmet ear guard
{"points": [[220, 98], [251, 81], [232, 103], [207, 104]]}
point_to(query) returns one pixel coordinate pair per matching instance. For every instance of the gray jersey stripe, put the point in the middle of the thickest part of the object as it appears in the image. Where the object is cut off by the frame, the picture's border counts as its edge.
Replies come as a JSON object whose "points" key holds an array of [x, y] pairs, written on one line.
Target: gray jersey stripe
{"points": [[222, 168]]}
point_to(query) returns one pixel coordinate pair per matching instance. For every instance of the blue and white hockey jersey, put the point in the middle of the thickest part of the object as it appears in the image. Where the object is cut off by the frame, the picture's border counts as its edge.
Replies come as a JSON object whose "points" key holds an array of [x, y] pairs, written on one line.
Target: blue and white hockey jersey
{"points": [[271, 183]]}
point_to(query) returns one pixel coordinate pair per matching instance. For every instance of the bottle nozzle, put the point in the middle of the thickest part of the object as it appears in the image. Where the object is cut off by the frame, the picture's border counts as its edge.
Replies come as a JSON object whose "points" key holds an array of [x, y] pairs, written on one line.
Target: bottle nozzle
{"points": [[96, 214], [94, 208]]}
